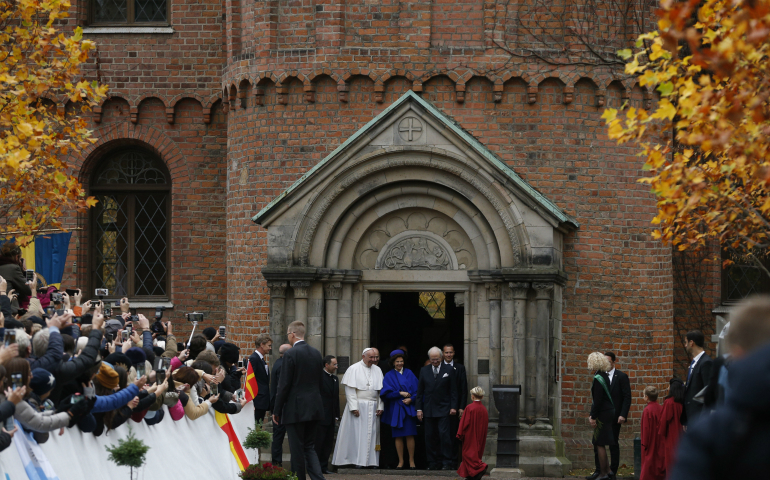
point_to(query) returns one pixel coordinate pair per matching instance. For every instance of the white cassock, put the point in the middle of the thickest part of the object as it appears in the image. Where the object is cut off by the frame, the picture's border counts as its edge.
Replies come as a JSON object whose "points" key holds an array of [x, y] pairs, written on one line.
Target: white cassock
{"points": [[358, 439]]}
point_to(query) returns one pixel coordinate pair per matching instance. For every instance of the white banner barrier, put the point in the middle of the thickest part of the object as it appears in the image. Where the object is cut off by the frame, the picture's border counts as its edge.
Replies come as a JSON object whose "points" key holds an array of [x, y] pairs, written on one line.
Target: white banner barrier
{"points": [[183, 449]]}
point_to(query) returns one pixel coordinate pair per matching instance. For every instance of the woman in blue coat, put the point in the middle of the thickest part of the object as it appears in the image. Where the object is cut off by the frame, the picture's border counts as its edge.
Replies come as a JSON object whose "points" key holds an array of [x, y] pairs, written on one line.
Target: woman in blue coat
{"points": [[398, 389]]}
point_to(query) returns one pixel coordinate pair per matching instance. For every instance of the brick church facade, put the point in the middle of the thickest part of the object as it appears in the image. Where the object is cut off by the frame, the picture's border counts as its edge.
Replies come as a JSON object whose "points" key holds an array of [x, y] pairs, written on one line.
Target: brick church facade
{"points": [[218, 111]]}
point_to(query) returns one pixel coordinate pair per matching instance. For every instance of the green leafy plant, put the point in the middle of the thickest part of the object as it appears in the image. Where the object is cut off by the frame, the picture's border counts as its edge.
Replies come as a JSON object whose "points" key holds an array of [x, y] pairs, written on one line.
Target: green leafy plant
{"points": [[266, 471], [258, 438], [130, 452]]}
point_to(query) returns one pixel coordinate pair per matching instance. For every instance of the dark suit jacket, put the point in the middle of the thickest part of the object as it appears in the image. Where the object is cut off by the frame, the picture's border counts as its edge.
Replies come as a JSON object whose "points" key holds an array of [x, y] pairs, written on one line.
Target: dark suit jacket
{"points": [[330, 394], [274, 376], [620, 389], [435, 397], [601, 403], [298, 398], [462, 385], [262, 400], [701, 374]]}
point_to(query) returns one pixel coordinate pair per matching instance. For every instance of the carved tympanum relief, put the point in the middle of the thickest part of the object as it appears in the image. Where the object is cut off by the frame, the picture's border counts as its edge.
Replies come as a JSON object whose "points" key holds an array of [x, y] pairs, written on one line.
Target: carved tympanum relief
{"points": [[415, 239]]}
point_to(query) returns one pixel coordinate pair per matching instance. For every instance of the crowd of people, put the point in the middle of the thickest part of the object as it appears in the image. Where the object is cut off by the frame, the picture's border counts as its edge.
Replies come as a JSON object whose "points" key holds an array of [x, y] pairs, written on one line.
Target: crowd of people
{"points": [[714, 424], [65, 363], [303, 389]]}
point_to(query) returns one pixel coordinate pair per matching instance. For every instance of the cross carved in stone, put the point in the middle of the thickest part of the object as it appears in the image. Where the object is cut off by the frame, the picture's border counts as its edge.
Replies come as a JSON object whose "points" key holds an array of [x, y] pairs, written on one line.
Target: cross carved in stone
{"points": [[410, 126]]}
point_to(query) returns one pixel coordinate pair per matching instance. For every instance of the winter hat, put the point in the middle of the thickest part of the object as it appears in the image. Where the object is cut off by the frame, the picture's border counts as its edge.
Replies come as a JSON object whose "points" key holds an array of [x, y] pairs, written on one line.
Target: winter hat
{"points": [[136, 355], [118, 358], [42, 381], [38, 320], [229, 353], [158, 350], [209, 333], [112, 326], [107, 377]]}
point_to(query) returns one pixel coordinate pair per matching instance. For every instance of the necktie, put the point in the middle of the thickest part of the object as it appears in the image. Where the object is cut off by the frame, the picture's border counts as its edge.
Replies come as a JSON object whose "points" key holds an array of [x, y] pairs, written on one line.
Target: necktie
{"points": [[689, 372], [435, 372]]}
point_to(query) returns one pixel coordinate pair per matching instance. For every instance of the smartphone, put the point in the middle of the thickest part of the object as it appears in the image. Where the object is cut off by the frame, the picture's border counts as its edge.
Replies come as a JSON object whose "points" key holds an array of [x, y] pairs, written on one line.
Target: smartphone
{"points": [[214, 389], [10, 337], [246, 363], [222, 332], [71, 292], [107, 312], [194, 317], [117, 303], [140, 370], [240, 363], [109, 337], [59, 312], [75, 320], [124, 335], [16, 380], [8, 426], [30, 274], [57, 297], [76, 398], [49, 311], [101, 292], [130, 328]]}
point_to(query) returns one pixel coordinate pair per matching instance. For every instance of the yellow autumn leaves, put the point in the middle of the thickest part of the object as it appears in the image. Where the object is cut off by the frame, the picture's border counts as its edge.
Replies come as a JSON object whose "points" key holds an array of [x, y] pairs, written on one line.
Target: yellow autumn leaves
{"points": [[705, 142], [40, 70]]}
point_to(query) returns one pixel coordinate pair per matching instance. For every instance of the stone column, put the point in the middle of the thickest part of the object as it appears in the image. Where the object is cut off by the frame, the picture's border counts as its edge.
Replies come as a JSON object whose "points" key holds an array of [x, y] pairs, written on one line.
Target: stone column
{"points": [[332, 291], [519, 293], [277, 311], [495, 331], [542, 350], [345, 319], [506, 338], [301, 291], [482, 326], [315, 317]]}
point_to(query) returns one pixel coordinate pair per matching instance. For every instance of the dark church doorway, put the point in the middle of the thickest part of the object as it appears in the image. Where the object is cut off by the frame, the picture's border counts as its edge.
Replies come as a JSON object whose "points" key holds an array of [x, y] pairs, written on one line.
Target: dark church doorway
{"points": [[417, 321]]}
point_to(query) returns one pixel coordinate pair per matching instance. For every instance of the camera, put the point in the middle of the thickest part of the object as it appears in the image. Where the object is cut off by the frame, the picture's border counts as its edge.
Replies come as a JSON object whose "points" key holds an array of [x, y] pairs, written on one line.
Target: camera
{"points": [[159, 312], [117, 303], [157, 327], [59, 312], [16, 381], [214, 389], [101, 292], [76, 398], [10, 337], [107, 312], [30, 274], [194, 317], [75, 320], [71, 292], [50, 311], [134, 319], [124, 335], [57, 297], [222, 332]]}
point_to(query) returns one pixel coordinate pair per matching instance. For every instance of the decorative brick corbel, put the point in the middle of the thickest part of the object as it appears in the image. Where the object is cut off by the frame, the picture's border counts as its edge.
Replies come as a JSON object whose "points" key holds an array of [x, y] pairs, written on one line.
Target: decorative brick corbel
{"points": [[417, 88], [134, 113], [309, 93], [225, 107], [98, 114], [170, 115], [207, 115], [342, 92], [460, 92], [259, 96], [569, 94], [242, 98], [532, 94], [624, 96], [379, 91], [601, 95], [498, 91], [283, 94]]}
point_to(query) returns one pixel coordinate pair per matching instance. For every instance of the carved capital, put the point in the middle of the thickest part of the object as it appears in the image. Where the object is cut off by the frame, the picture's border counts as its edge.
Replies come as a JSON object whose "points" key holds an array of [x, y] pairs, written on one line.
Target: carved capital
{"points": [[543, 290], [332, 290], [459, 299], [493, 290], [277, 289], [301, 289], [519, 290]]}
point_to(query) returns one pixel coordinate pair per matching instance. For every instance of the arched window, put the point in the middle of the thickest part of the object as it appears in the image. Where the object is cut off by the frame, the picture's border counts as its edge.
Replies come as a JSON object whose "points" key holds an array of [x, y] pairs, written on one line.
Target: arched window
{"points": [[130, 226]]}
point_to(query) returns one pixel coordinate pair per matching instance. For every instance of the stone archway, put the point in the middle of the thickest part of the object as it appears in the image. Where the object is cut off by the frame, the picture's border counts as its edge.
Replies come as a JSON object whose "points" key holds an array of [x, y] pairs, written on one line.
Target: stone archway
{"points": [[391, 210]]}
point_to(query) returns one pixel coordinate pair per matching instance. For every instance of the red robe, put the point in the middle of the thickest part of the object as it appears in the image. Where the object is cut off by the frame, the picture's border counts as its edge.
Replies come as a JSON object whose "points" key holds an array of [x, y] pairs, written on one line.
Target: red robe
{"points": [[473, 433], [653, 461], [670, 429]]}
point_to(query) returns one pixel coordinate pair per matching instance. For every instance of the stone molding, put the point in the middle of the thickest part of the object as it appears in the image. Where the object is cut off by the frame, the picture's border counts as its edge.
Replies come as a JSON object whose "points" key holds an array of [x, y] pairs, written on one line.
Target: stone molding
{"points": [[277, 289], [519, 290], [301, 289], [332, 290]]}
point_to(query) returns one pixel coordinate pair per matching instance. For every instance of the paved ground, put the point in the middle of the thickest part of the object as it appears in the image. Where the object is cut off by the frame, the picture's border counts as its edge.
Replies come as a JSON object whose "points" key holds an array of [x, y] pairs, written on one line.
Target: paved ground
{"points": [[417, 477]]}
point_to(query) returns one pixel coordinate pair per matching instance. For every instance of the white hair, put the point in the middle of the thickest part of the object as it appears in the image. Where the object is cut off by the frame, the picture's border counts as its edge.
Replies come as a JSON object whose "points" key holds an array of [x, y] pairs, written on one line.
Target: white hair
{"points": [[434, 351], [598, 361]]}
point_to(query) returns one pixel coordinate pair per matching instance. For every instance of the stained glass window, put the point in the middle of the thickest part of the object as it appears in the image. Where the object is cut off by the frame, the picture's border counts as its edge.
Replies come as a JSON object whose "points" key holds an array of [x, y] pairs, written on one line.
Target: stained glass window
{"points": [[434, 303], [130, 225], [112, 12]]}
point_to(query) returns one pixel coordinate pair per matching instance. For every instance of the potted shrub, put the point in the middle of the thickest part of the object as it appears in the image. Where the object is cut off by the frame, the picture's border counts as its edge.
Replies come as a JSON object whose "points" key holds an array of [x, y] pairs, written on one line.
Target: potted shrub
{"points": [[258, 439], [266, 471], [130, 452]]}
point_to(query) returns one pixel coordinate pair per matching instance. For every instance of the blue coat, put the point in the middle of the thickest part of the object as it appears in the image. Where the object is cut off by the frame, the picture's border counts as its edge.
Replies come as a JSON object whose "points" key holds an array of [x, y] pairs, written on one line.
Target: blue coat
{"points": [[395, 409]]}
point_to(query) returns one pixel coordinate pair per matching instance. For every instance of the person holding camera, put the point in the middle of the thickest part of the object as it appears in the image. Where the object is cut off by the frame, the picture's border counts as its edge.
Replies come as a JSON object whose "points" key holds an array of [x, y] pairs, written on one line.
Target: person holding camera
{"points": [[12, 270]]}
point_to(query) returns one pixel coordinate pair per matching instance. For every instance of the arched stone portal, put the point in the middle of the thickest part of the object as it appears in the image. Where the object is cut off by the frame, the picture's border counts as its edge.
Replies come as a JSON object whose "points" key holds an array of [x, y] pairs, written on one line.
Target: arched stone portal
{"points": [[411, 202]]}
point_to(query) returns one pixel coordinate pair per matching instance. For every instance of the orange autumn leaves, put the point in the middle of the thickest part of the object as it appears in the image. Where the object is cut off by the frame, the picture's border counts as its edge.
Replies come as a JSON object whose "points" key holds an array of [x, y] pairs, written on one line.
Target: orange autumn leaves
{"points": [[707, 141], [39, 62]]}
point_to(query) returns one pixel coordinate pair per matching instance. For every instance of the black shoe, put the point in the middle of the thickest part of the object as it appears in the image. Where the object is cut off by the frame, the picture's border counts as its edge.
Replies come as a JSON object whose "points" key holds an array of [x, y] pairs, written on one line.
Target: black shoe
{"points": [[360, 467], [594, 475], [606, 477], [432, 467], [412, 468], [612, 475], [446, 467], [327, 472]]}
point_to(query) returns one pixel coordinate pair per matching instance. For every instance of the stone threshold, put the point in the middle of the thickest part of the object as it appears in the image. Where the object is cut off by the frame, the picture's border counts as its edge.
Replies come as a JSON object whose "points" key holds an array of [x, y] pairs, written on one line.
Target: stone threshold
{"points": [[403, 473]]}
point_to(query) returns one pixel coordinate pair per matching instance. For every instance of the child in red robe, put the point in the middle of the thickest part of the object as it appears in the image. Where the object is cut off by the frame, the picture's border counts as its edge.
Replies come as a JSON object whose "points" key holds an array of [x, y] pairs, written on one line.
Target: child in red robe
{"points": [[653, 462], [670, 426], [473, 433]]}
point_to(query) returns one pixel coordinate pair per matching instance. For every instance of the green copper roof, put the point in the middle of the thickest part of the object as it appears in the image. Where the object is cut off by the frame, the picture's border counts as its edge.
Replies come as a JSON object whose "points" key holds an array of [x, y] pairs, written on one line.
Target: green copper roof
{"points": [[538, 197]]}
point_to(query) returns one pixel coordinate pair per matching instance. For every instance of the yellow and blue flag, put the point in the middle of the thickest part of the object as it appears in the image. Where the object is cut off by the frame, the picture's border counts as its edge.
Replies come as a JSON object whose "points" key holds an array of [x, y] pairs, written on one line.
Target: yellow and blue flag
{"points": [[47, 255]]}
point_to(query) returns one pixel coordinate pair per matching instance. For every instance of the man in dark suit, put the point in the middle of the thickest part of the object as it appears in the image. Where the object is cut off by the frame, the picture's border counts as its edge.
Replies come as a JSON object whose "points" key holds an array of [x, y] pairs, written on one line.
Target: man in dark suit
{"points": [[330, 394], [258, 364], [436, 402], [620, 391], [279, 431], [698, 375], [462, 395], [298, 403]]}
